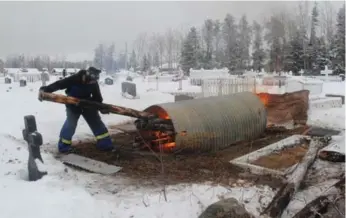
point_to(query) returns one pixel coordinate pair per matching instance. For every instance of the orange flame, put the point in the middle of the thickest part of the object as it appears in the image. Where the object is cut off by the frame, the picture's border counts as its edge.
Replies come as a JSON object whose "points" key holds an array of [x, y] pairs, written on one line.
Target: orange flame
{"points": [[264, 97], [163, 141]]}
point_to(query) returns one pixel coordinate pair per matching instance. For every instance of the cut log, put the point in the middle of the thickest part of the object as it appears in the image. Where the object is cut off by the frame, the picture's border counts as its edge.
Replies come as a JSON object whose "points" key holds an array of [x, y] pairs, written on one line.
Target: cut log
{"points": [[291, 186], [321, 205]]}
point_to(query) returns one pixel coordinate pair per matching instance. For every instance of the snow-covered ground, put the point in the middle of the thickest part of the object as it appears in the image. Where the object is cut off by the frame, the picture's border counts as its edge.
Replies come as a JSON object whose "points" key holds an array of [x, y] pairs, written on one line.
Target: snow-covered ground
{"points": [[65, 192]]}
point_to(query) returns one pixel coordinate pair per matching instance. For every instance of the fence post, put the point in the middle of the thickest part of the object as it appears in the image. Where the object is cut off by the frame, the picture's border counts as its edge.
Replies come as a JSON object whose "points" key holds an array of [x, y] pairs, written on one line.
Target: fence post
{"points": [[219, 81]]}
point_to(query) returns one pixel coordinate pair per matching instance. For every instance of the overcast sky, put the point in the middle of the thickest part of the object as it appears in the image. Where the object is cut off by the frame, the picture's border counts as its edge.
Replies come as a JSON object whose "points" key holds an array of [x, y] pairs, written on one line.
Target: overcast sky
{"points": [[77, 27]]}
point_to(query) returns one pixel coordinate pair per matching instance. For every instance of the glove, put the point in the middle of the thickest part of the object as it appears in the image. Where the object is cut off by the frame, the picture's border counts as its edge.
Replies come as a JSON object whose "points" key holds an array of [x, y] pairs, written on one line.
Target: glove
{"points": [[104, 111], [42, 89]]}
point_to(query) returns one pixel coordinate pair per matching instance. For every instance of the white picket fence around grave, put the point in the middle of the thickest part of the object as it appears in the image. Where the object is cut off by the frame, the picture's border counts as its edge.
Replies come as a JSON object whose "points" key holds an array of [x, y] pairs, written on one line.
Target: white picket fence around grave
{"points": [[219, 87], [226, 86], [327, 78], [314, 86]]}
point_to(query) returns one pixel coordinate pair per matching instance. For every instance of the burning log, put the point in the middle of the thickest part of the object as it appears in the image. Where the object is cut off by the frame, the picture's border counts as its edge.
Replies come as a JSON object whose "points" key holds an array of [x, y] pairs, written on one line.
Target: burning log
{"points": [[291, 186], [320, 205]]}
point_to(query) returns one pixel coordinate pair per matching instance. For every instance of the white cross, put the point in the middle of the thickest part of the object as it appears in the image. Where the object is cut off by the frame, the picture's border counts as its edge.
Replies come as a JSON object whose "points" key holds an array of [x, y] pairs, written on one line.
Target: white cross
{"points": [[326, 71], [301, 72]]}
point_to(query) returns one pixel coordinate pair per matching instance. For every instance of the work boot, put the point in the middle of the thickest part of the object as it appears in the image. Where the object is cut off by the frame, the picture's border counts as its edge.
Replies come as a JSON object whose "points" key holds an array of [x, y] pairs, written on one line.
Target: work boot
{"points": [[68, 150]]}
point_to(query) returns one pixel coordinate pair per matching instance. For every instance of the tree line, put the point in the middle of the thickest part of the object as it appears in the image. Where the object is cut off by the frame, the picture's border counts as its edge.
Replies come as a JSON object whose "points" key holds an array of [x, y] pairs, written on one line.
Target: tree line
{"points": [[308, 42], [40, 62], [308, 38]]}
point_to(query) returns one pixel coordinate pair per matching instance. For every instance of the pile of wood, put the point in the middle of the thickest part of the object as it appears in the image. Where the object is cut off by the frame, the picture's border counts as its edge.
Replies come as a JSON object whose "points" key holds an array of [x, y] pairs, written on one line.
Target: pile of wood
{"points": [[291, 186]]}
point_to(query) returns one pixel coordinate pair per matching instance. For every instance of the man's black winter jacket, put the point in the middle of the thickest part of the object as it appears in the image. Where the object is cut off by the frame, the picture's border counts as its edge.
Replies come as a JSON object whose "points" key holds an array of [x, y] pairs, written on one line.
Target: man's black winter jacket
{"points": [[76, 87]]}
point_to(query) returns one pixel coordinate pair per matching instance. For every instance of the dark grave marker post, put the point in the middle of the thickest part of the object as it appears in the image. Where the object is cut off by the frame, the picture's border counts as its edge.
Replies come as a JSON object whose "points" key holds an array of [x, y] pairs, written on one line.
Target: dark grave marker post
{"points": [[34, 140]]}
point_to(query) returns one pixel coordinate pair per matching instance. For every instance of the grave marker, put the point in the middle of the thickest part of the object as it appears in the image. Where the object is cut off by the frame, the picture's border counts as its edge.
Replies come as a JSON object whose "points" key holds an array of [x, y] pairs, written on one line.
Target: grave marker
{"points": [[301, 72], [326, 71]]}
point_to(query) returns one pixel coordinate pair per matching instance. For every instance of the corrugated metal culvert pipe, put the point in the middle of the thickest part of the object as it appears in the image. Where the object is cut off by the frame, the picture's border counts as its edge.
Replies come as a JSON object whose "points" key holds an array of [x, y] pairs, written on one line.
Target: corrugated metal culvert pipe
{"points": [[213, 123]]}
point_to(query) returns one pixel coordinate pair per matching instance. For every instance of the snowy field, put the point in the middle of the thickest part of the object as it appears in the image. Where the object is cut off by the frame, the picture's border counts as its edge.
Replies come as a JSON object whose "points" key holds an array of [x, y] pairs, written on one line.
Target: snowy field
{"points": [[65, 192]]}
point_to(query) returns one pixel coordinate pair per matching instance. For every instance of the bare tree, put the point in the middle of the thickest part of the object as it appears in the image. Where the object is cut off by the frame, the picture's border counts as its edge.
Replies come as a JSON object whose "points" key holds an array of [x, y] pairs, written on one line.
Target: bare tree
{"points": [[169, 44], [152, 45], [140, 46], [178, 44]]}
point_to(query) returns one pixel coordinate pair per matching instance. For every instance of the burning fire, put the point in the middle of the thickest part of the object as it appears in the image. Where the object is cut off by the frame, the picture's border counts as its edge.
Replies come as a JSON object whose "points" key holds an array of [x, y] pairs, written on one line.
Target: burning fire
{"points": [[159, 140], [262, 93], [264, 97]]}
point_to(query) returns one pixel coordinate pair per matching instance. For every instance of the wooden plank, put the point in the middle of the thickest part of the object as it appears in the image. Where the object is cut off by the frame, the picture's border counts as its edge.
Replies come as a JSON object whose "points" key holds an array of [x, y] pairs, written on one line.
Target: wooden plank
{"points": [[89, 164]]}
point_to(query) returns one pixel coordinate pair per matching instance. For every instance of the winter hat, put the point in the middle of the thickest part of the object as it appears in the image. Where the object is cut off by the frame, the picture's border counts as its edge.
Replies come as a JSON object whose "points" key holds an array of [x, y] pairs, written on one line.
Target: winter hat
{"points": [[93, 73]]}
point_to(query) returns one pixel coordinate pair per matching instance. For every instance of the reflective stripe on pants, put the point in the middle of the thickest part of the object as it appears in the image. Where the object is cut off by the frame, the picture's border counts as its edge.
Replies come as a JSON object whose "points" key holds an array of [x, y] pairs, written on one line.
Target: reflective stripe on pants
{"points": [[102, 136], [65, 141]]}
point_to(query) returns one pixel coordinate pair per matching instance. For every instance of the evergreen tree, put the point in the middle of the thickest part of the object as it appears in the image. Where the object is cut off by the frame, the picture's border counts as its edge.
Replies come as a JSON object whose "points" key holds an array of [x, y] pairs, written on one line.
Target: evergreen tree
{"points": [[189, 51], [312, 49], [145, 63], [340, 41], [150, 60], [258, 54], [297, 53], [244, 42], [322, 55], [275, 37], [99, 56], [288, 61], [156, 59], [208, 39], [230, 36], [218, 53], [133, 60], [2, 66], [109, 59]]}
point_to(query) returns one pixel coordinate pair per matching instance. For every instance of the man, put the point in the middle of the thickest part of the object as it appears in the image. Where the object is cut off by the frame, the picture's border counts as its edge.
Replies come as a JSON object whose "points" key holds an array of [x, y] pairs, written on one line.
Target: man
{"points": [[82, 85]]}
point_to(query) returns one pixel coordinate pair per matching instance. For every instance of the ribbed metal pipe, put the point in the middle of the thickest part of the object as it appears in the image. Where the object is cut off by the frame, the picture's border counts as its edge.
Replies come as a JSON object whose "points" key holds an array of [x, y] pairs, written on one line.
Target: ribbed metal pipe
{"points": [[213, 123]]}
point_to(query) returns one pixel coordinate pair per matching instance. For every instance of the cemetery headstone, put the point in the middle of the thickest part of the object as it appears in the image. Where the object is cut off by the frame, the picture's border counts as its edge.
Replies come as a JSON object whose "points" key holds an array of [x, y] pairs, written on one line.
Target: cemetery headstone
{"points": [[109, 81], [22, 82], [182, 97], [129, 78], [326, 71], [301, 72], [129, 88], [8, 80]]}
